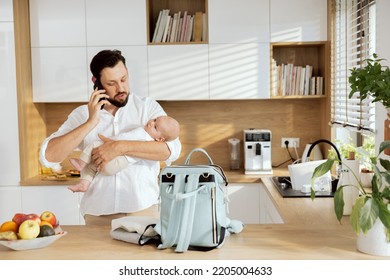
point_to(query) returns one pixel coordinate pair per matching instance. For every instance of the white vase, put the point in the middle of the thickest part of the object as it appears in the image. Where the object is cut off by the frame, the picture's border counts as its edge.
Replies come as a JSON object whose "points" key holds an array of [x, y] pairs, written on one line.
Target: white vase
{"points": [[374, 242]]}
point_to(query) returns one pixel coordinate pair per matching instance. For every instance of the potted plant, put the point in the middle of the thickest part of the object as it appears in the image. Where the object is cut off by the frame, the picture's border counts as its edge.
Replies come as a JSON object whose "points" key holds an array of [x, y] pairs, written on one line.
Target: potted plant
{"points": [[369, 208], [371, 80]]}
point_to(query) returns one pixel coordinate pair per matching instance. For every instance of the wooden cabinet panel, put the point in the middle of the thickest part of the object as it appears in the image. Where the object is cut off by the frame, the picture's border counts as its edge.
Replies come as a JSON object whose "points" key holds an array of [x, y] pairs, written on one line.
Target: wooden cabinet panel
{"points": [[57, 23], [298, 20], [239, 71], [59, 74], [178, 72], [232, 21]]}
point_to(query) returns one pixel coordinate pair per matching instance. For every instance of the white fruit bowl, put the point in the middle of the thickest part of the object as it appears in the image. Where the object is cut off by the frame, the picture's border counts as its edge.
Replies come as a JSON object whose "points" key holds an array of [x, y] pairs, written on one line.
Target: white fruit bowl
{"points": [[36, 243]]}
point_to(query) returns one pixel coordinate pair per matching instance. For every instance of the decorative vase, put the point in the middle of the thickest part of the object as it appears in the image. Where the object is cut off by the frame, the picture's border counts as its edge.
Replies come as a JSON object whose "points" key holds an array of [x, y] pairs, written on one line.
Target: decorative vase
{"points": [[374, 242]]}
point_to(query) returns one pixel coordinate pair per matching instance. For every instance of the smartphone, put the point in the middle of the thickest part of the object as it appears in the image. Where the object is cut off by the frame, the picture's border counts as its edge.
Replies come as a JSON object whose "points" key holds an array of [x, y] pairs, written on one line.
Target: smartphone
{"points": [[98, 85]]}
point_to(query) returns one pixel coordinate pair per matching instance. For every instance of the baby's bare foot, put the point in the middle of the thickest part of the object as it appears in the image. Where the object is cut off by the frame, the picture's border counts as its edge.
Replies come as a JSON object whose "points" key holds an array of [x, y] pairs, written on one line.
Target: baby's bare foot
{"points": [[80, 187]]}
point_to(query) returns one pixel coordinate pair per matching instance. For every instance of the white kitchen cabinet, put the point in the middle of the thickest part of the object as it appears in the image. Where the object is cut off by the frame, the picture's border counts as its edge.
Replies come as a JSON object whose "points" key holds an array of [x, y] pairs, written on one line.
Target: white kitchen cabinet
{"points": [[57, 23], [298, 20], [57, 199], [9, 148], [137, 65], [6, 10], [116, 22], [59, 74], [232, 21], [270, 215], [244, 202], [10, 202], [239, 71], [250, 203], [178, 72]]}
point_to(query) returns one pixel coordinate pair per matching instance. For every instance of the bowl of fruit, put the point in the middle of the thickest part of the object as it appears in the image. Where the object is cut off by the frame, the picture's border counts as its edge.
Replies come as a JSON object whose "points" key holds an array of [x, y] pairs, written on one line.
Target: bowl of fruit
{"points": [[30, 231]]}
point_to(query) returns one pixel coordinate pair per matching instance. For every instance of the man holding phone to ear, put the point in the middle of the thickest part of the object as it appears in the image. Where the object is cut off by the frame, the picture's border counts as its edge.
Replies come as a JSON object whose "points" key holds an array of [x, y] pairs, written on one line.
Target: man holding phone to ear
{"points": [[133, 190]]}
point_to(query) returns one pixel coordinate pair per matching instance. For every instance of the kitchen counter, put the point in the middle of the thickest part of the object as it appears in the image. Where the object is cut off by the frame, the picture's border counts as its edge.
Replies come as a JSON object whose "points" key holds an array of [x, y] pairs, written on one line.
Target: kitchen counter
{"points": [[310, 231], [272, 242]]}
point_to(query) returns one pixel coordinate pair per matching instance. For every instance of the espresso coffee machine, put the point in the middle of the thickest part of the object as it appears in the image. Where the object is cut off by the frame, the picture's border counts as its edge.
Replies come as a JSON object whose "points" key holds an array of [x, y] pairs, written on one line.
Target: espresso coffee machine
{"points": [[257, 151]]}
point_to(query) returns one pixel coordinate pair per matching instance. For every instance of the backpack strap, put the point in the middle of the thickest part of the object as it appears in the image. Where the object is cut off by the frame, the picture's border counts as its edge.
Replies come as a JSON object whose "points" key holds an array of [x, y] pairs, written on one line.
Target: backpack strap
{"points": [[187, 219], [175, 213]]}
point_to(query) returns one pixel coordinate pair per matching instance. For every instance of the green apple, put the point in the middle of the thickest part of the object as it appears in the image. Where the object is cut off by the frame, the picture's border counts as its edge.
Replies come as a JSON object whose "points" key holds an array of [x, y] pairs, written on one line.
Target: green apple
{"points": [[29, 229]]}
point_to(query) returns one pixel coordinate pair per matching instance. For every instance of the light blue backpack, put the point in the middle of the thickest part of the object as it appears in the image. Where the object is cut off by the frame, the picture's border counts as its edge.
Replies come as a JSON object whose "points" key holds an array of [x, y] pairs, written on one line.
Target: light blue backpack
{"points": [[193, 206]]}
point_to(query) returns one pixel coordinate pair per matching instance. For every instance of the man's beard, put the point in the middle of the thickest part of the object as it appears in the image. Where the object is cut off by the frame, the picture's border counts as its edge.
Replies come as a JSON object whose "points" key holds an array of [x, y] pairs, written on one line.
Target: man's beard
{"points": [[117, 103]]}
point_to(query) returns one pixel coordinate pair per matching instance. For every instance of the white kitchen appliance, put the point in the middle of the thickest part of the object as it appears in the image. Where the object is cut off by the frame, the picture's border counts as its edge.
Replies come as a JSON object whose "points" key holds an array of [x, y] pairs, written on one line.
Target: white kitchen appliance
{"points": [[257, 151]]}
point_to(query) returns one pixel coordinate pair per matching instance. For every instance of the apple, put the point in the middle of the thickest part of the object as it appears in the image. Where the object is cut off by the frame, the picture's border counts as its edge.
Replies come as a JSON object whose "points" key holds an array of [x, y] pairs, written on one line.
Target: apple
{"points": [[33, 217], [45, 223], [19, 218], [29, 229], [49, 217]]}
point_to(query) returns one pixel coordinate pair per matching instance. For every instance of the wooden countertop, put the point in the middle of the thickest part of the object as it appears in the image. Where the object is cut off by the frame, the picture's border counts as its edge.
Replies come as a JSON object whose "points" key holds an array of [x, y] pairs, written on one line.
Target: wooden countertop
{"points": [[310, 231], [265, 242]]}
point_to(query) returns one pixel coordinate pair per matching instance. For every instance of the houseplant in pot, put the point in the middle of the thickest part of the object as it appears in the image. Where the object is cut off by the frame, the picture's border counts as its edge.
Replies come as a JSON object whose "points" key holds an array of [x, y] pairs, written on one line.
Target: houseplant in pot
{"points": [[371, 210], [373, 81]]}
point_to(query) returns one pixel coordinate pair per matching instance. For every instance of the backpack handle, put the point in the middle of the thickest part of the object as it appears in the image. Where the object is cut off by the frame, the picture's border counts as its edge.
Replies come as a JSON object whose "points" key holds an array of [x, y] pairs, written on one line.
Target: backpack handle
{"points": [[198, 150]]}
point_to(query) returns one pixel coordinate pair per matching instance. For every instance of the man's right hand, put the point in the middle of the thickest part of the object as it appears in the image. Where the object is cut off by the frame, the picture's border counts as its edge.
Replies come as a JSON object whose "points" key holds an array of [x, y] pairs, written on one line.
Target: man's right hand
{"points": [[95, 104]]}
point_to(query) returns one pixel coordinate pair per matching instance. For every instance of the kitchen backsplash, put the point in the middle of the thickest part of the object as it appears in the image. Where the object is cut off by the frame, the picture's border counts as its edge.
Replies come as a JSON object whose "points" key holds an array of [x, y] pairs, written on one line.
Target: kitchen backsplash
{"points": [[209, 124]]}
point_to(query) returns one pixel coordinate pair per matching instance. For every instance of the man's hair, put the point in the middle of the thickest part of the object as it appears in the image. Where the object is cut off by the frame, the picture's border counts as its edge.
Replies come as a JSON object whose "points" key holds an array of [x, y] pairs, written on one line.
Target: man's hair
{"points": [[105, 58]]}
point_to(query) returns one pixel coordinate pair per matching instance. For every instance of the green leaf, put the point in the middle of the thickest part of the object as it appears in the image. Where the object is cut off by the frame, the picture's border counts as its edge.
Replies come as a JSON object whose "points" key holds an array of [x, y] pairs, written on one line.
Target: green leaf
{"points": [[385, 163], [322, 169], [339, 203], [368, 215], [384, 213], [355, 215], [384, 145]]}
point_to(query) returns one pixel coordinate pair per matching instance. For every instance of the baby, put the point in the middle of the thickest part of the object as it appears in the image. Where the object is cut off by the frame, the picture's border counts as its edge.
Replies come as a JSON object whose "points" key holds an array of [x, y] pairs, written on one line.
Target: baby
{"points": [[161, 129]]}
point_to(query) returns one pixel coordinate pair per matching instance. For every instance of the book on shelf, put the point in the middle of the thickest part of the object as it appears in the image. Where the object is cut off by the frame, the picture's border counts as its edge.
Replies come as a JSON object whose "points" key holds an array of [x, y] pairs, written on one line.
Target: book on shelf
{"points": [[198, 21], [161, 27], [179, 27], [292, 80]]}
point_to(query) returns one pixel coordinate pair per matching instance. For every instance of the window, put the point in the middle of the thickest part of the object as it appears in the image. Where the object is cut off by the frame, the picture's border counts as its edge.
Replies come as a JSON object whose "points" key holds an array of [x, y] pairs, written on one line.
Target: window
{"points": [[353, 32]]}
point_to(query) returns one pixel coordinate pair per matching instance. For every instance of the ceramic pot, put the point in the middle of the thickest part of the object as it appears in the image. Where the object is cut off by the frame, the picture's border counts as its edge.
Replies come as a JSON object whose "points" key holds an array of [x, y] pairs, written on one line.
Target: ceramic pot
{"points": [[374, 242]]}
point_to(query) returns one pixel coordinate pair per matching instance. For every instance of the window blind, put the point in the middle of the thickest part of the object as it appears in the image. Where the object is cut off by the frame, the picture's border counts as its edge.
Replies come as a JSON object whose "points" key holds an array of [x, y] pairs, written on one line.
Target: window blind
{"points": [[353, 31]]}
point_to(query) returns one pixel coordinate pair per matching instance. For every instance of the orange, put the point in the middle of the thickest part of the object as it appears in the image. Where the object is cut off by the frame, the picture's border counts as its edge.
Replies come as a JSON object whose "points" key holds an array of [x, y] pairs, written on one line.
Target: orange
{"points": [[45, 223], [9, 226]]}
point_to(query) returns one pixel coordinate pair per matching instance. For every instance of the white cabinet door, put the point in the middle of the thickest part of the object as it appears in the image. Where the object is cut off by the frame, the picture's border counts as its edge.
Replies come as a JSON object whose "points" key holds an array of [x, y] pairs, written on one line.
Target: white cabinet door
{"points": [[57, 23], [178, 72], [10, 202], [116, 22], [269, 213], [239, 71], [6, 10], [232, 21], [57, 199], [136, 62], [244, 202], [298, 20], [59, 74], [9, 148]]}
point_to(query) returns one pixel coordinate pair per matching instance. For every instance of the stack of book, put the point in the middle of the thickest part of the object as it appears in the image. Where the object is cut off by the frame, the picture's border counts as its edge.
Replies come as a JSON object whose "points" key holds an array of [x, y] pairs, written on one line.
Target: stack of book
{"points": [[290, 80], [179, 27]]}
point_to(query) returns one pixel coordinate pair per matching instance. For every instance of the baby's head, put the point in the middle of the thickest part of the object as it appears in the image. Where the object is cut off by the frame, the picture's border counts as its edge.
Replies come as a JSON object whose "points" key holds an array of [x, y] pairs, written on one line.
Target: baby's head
{"points": [[163, 128]]}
